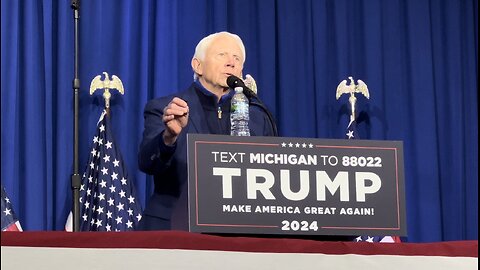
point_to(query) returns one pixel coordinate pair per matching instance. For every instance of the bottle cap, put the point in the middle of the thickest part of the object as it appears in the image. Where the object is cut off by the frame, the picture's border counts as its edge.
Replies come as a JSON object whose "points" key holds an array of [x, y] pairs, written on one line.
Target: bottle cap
{"points": [[238, 89]]}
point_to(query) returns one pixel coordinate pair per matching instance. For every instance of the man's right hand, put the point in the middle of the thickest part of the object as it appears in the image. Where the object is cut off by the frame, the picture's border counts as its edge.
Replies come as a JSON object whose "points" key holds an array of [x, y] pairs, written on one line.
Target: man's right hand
{"points": [[175, 118]]}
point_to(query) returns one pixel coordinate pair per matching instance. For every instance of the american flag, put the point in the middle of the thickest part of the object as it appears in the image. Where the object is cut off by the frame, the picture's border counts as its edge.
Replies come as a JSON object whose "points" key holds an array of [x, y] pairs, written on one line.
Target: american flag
{"points": [[107, 198], [351, 134], [9, 219], [383, 239]]}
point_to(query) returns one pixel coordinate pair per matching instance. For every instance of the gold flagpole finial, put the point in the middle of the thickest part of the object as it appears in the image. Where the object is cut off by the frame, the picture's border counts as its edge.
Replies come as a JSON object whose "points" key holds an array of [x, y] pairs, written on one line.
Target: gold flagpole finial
{"points": [[107, 84], [351, 89], [250, 83]]}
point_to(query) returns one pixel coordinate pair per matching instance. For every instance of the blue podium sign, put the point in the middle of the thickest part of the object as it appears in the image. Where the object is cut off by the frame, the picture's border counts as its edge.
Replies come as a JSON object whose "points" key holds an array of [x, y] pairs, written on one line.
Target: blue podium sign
{"points": [[295, 186]]}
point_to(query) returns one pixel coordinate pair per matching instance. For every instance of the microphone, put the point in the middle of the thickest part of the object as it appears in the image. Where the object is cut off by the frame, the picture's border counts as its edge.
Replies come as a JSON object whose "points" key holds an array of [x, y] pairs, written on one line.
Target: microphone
{"points": [[233, 81]]}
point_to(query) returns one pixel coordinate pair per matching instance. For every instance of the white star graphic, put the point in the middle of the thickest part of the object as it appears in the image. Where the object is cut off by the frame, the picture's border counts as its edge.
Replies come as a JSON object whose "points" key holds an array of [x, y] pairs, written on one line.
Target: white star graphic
{"points": [[111, 202], [7, 212], [129, 224], [104, 171], [350, 134], [119, 220], [103, 184], [106, 158], [120, 206], [122, 194], [284, 144], [108, 144], [102, 128], [115, 163], [131, 199]]}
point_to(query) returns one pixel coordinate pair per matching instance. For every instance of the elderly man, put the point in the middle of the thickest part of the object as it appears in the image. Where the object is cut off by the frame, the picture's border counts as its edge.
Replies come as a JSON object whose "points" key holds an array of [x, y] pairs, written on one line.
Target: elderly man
{"points": [[204, 108]]}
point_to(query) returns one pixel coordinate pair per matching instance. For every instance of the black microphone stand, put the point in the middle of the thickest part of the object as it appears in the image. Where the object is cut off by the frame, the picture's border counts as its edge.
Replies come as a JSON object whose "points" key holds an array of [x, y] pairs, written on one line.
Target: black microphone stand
{"points": [[76, 180]]}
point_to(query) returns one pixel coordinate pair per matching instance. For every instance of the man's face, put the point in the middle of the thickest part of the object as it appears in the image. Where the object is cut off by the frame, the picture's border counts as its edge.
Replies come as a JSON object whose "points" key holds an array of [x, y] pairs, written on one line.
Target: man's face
{"points": [[222, 59]]}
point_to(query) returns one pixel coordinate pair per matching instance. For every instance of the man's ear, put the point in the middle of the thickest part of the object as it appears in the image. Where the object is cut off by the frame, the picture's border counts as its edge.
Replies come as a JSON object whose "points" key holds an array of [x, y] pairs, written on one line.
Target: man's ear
{"points": [[197, 66]]}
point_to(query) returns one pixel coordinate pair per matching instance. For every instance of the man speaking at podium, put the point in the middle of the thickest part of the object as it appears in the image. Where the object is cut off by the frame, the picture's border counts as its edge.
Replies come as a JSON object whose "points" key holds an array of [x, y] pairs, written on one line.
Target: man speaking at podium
{"points": [[204, 108]]}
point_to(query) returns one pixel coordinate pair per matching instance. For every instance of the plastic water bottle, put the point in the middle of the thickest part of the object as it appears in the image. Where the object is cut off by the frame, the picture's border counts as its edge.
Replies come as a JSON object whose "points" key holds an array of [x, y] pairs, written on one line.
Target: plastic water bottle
{"points": [[239, 114]]}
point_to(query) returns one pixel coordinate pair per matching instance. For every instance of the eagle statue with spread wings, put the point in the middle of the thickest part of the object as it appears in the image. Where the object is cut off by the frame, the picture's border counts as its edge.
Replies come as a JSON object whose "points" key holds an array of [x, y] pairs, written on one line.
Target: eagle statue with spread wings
{"points": [[250, 83], [361, 87], [107, 84], [351, 89]]}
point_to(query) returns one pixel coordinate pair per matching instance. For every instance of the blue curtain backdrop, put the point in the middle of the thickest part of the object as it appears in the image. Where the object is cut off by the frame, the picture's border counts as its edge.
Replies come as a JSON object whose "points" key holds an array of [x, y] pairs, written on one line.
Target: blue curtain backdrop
{"points": [[418, 57]]}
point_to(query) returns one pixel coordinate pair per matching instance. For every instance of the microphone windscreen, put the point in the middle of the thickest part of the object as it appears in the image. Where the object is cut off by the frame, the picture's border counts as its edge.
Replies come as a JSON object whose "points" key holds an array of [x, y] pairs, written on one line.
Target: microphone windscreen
{"points": [[233, 81]]}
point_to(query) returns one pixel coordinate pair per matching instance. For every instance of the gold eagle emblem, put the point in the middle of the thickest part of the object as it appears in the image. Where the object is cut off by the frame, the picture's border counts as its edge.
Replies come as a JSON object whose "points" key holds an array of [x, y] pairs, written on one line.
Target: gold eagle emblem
{"points": [[107, 84], [351, 89]]}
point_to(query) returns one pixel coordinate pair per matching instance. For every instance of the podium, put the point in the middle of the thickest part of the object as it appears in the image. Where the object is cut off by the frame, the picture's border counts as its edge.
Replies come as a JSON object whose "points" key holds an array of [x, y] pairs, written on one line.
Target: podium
{"points": [[295, 186]]}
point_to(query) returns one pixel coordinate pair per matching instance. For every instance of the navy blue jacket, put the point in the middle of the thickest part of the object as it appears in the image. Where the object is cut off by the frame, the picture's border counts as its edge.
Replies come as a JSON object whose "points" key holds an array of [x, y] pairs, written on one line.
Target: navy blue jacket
{"points": [[168, 206]]}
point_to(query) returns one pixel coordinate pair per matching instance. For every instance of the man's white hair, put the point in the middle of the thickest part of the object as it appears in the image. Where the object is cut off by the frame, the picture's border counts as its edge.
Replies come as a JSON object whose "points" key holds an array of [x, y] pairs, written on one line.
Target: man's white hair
{"points": [[203, 45]]}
